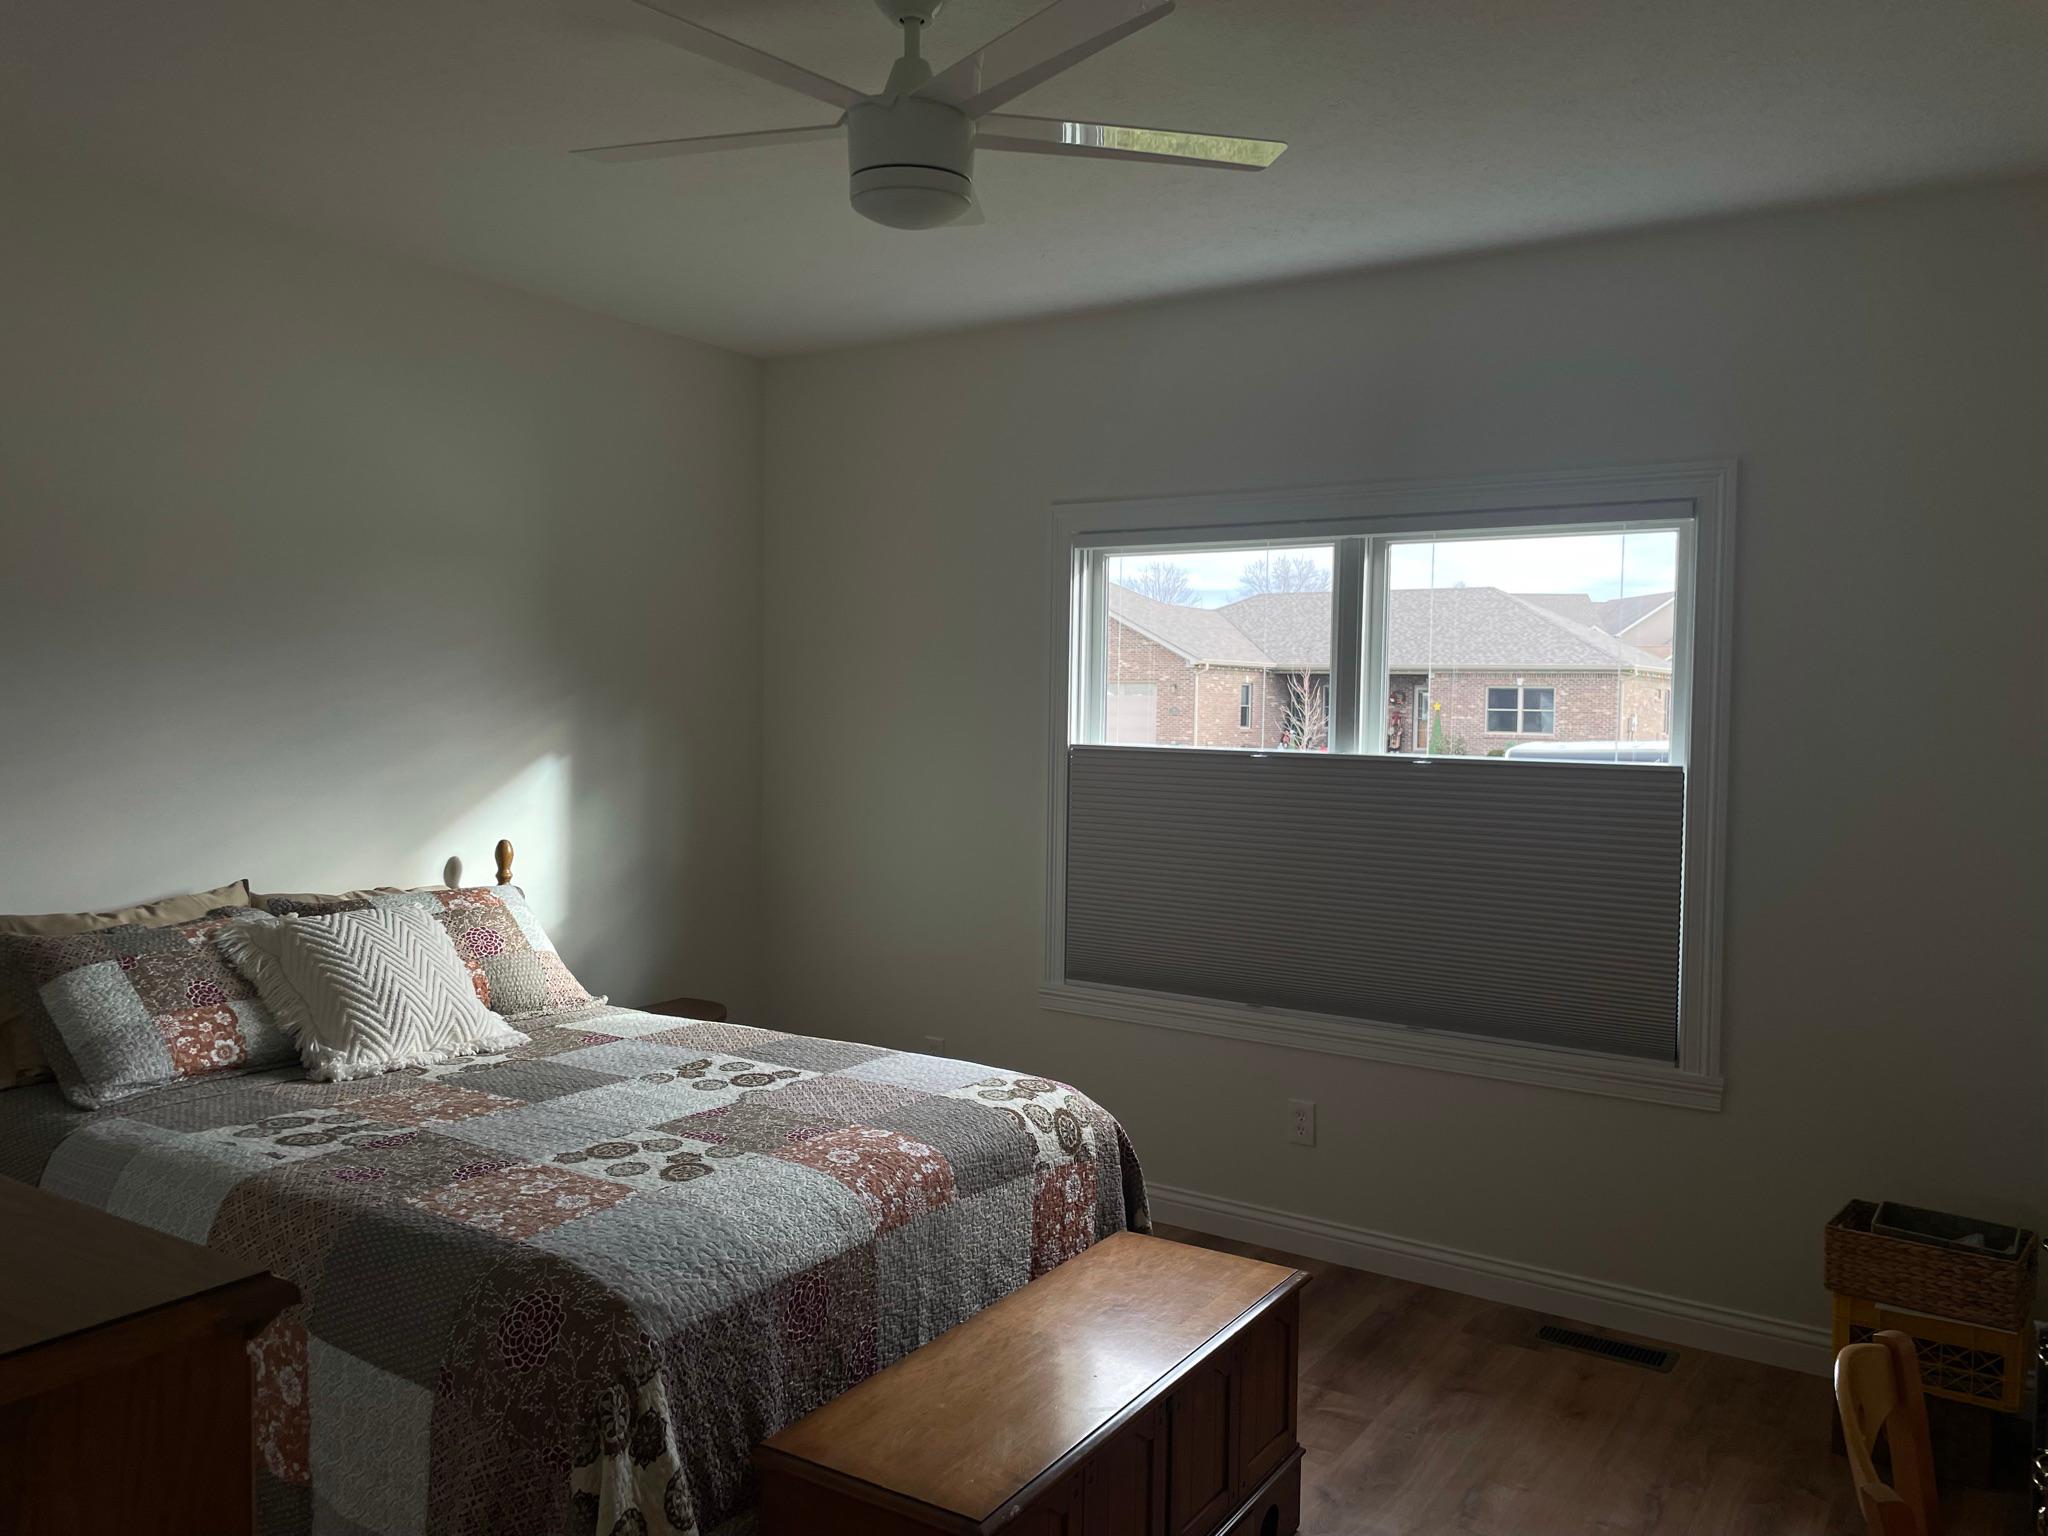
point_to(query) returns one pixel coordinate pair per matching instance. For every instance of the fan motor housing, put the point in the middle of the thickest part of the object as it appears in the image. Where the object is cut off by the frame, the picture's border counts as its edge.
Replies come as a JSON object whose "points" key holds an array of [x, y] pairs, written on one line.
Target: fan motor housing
{"points": [[912, 162]]}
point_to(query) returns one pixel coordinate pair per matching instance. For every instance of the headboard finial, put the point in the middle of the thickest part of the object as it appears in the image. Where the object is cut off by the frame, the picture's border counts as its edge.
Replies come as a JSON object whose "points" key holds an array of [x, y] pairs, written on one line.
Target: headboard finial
{"points": [[504, 861]]}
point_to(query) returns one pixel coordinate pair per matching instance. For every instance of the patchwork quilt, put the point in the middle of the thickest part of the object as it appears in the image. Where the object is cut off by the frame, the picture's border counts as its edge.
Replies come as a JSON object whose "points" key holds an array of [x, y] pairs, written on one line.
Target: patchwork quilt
{"points": [[568, 1289]]}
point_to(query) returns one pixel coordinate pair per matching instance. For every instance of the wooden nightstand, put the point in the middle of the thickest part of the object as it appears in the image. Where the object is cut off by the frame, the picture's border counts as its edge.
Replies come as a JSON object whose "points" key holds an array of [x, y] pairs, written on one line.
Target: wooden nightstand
{"points": [[689, 1008], [124, 1380]]}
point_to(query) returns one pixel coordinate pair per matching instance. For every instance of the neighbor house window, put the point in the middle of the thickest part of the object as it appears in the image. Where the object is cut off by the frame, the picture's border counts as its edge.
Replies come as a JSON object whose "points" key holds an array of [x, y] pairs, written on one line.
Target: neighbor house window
{"points": [[1400, 884], [1521, 711]]}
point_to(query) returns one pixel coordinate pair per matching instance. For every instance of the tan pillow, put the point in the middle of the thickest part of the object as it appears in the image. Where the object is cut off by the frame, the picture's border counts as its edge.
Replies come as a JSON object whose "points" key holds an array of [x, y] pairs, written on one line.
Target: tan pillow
{"points": [[320, 903], [21, 1063]]}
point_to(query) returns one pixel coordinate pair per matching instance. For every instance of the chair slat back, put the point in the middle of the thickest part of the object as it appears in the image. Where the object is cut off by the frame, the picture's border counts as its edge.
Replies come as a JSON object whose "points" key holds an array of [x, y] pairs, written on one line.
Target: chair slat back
{"points": [[1877, 1387]]}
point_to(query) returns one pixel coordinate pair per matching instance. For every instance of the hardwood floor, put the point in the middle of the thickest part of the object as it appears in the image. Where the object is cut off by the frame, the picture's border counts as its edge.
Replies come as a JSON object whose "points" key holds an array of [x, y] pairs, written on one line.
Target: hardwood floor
{"points": [[1423, 1411]]}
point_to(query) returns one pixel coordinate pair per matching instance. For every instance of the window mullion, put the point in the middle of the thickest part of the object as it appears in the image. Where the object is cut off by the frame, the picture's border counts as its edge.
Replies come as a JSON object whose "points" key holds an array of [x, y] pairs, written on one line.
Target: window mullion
{"points": [[1090, 721], [1347, 621], [1371, 651]]}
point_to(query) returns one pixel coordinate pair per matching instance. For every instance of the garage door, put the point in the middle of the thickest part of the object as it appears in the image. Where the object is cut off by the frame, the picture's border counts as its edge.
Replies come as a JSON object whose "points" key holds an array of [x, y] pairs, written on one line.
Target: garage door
{"points": [[1133, 714]]}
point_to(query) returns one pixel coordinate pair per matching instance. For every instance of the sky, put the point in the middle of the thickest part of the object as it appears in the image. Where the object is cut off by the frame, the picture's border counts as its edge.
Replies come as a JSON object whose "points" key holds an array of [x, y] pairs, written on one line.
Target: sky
{"points": [[1601, 565]]}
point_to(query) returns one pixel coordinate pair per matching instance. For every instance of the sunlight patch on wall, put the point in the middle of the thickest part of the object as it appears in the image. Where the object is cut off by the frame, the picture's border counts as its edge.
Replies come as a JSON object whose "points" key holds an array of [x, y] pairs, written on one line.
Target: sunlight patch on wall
{"points": [[532, 809]]}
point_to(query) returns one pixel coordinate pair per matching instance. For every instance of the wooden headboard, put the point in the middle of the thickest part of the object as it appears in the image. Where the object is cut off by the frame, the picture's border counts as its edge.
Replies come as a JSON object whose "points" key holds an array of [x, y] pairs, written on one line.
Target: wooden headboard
{"points": [[504, 861]]}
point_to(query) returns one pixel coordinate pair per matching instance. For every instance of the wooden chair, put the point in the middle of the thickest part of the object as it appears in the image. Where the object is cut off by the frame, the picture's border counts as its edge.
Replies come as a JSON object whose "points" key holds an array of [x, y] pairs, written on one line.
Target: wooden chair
{"points": [[1877, 1386]]}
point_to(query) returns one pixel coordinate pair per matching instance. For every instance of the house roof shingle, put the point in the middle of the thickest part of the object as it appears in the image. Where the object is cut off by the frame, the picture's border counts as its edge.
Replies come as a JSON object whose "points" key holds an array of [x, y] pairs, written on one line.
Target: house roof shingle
{"points": [[1466, 627], [1617, 614]]}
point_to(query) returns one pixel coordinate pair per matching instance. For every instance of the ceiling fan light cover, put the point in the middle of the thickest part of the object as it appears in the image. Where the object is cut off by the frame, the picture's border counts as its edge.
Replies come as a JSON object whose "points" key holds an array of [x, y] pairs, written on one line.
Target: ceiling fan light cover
{"points": [[911, 196], [912, 162]]}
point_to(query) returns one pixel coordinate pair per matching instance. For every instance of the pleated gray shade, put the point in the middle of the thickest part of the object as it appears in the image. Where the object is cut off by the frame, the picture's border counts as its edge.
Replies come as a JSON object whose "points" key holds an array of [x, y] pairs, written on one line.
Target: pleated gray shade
{"points": [[1533, 902]]}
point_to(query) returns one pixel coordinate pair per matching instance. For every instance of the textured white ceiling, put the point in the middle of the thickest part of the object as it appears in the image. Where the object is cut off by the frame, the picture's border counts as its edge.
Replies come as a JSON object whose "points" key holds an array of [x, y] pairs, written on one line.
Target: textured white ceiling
{"points": [[440, 128]]}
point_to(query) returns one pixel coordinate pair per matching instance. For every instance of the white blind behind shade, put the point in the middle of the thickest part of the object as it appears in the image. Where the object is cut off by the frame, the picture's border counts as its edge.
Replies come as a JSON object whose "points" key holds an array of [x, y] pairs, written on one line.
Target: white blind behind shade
{"points": [[1535, 902]]}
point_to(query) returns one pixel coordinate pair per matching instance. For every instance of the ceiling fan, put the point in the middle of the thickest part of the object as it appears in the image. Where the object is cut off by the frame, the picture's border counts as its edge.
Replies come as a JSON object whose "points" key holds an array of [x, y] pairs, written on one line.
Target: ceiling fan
{"points": [[911, 147]]}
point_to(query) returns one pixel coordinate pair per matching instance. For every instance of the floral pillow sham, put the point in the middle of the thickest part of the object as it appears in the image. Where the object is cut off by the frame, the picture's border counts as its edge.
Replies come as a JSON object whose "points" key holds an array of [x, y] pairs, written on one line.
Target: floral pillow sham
{"points": [[21, 1059], [511, 960], [119, 1011]]}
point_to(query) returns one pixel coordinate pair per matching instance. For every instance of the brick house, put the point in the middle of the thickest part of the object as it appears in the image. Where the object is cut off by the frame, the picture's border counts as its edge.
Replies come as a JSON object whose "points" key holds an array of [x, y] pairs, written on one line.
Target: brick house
{"points": [[1473, 670]]}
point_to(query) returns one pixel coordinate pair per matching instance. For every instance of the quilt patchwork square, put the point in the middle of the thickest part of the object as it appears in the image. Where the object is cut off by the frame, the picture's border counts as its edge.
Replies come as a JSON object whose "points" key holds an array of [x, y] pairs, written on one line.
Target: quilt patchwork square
{"points": [[927, 1074], [839, 1099], [430, 1102], [536, 1132], [815, 1055], [528, 1081], [985, 1149], [367, 1447], [550, 1038], [703, 1038], [1046, 1111], [980, 1243], [897, 1178], [523, 1200], [1062, 1215], [643, 1161], [755, 1122], [396, 1280], [296, 1136]]}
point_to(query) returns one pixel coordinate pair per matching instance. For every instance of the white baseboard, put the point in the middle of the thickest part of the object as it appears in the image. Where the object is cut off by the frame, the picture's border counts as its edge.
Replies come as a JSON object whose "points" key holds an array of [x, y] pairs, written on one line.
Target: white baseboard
{"points": [[1624, 1308]]}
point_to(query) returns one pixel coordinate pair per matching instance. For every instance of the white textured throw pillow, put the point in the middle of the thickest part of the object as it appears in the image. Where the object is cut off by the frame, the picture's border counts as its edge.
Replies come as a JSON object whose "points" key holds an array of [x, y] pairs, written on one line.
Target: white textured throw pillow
{"points": [[368, 991]]}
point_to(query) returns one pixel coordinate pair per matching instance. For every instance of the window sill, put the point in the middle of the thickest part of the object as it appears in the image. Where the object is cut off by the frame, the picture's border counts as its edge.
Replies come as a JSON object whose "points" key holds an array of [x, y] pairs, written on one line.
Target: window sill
{"points": [[1577, 1071]]}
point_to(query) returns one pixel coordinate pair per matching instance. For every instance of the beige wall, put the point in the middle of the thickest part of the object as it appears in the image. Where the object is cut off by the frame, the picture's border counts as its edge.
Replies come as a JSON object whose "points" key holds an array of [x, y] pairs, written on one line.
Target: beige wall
{"points": [[320, 568], [1880, 371]]}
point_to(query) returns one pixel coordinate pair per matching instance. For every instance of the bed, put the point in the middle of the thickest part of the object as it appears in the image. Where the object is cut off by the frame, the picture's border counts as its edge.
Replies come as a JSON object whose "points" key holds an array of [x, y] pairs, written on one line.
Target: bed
{"points": [[570, 1287]]}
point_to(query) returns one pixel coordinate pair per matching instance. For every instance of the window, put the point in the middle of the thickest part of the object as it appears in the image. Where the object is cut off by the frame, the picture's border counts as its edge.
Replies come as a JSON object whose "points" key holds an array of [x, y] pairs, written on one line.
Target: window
{"points": [[1529, 635], [1401, 883], [1234, 640], [1521, 711]]}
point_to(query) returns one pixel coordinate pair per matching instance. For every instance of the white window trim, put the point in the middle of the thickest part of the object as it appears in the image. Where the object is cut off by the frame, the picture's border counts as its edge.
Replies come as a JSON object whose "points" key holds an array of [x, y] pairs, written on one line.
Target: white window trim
{"points": [[1700, 683]]}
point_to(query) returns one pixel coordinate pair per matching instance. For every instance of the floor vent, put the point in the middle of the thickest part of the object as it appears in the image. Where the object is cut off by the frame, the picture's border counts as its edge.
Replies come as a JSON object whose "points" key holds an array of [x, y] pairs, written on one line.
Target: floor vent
{"points": [[1648, 1356]]}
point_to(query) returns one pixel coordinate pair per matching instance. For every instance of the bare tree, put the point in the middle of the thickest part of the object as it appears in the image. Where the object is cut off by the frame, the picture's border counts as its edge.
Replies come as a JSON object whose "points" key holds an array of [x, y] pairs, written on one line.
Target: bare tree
{"points": [[1307, 726], [1283, 573], [1161, 580]]}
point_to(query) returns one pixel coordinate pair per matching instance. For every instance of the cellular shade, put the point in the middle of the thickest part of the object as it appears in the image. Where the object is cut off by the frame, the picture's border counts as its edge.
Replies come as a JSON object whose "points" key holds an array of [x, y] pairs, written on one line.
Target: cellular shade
{"points": [[1525, 901]]}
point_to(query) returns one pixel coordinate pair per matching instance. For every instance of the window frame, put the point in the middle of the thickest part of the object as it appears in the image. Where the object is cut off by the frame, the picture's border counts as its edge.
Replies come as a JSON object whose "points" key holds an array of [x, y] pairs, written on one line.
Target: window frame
{"points": [[1361, 521]]}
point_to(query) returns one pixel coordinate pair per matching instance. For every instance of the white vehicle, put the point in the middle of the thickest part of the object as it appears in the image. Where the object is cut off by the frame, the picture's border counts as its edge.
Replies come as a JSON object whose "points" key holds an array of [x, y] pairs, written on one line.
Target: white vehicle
{"points": [[1591, 751]]}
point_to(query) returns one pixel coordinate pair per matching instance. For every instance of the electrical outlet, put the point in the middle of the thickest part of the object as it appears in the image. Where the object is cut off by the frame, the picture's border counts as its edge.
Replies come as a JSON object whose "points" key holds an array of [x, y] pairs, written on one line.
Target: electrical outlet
{"points": [[936, 1044], [1301, 1122]]}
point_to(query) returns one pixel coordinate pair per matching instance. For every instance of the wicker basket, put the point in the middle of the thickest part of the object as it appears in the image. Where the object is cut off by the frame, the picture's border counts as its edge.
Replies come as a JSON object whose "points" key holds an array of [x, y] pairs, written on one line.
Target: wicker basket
{"points": [[1926, 1277]]}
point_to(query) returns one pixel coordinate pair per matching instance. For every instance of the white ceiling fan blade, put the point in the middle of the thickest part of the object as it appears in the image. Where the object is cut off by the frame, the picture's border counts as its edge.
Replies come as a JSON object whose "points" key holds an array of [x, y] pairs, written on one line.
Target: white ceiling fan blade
{"points": [[1167, 146], [702, 41], [663, 149], [1057, 38]]}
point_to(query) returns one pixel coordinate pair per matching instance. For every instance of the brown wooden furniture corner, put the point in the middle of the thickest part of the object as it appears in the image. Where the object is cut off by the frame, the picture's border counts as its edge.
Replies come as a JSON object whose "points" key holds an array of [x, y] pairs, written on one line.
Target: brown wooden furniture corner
{"points": [[689, 1008], [124, 1374], [1143, 1388]]}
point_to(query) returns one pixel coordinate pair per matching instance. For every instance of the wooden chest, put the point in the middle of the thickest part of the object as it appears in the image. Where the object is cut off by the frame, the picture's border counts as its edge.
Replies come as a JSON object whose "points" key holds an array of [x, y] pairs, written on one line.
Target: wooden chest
{"points": [[1144, 1388], [124, 1380]]}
